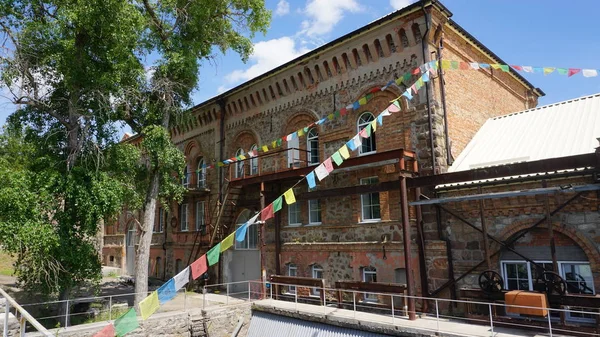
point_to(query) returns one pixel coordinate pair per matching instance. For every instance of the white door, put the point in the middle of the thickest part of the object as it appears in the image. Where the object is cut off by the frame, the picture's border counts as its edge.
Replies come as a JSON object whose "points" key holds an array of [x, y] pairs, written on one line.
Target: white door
{"points": [[293, 155], [130, 243]]}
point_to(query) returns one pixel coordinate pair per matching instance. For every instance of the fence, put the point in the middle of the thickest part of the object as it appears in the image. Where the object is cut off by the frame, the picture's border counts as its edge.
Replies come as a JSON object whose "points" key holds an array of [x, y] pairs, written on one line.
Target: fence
{"points": [[22, 316]]}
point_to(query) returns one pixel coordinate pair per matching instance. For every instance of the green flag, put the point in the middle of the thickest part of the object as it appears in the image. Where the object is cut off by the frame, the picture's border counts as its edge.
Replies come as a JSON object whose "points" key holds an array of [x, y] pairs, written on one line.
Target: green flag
{"points": [[126, 323], [337, 158], [277, 204], [213, 254]]}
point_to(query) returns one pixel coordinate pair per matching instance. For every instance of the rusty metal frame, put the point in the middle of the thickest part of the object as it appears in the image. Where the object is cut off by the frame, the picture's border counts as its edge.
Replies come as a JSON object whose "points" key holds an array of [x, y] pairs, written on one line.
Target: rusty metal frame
{"points": [[508, 242]]}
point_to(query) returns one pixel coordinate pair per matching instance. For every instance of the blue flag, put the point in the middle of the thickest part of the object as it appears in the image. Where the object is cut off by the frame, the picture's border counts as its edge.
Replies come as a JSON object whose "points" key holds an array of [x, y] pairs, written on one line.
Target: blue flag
{"points": [[310, 178], [407, 94], [425, 77], [240, 233], [167, 292], [356, 105], [350, 145], [380, 119]]}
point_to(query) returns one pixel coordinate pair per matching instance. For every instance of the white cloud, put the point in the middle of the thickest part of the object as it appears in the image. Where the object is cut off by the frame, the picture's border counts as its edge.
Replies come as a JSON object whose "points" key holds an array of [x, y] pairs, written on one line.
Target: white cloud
{"points": [[398, 4], [283, 8], [323, 15], [221, 89], [266, 56]]}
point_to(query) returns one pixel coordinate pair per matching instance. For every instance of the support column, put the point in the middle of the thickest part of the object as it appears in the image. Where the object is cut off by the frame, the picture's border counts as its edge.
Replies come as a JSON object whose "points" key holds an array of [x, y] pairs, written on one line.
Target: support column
{"points": [[410, 286], [421, 250], [550, 229], [486, 242], [263, 270]]}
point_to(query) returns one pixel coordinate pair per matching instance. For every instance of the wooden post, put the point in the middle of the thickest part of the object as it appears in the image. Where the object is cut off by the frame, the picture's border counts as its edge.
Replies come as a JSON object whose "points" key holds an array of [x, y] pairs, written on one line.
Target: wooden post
{"points": [[407, 252], [486, 242], [263, 270]]}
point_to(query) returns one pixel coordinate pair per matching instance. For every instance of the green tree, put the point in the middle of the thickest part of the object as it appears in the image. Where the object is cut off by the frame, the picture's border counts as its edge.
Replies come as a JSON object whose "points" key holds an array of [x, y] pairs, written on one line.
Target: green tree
{"points": [[78, 67]]}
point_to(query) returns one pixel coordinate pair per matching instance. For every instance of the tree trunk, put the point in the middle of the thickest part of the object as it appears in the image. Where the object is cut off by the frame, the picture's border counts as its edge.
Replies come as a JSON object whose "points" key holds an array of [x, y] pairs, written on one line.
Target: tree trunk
{"points": [[145, 239]]}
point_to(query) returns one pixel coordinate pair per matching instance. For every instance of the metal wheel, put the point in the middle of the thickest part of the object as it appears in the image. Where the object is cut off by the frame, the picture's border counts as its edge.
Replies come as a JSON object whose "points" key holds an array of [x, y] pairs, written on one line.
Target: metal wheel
{"points": [[551, 283], [491, 282]]}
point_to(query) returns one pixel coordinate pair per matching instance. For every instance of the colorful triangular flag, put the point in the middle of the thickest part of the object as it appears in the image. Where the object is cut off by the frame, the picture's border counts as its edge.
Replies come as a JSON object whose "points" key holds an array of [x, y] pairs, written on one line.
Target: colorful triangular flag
{"points": [[337, 158], [149, 305], [126, 323], [182, 278], [212, 256], [167, 291], [199, 267], [344, 151], [227, 242], [310, 179], [267, 213], [321, 172], [277, 204], [289, 196]]}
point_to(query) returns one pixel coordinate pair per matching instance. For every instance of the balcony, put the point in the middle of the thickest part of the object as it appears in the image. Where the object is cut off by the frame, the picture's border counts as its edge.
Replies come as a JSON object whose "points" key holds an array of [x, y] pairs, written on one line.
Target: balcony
{"points": [[195, 183], [292, 164]]}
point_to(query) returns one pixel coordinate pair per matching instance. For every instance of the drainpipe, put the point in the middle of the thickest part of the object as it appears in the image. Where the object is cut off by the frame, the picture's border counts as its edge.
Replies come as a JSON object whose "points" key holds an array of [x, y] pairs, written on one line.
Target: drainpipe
{"points": [[221, 104], [443, 94], [425, 60]]}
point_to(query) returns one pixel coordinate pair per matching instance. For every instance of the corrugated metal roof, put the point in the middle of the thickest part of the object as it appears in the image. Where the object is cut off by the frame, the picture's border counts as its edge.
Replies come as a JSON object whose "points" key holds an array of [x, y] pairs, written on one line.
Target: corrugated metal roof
{"points": [[263, 324], [551, 131]]}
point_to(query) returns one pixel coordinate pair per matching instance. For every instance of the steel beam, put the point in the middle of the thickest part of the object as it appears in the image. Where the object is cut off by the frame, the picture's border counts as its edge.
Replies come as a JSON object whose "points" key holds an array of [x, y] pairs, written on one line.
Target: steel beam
{"points": [[410, 285]]}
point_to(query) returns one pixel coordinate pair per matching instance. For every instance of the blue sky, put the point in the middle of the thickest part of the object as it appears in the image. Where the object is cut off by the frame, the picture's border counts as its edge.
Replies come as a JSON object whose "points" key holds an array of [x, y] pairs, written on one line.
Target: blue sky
{"points": [[534, 32]]}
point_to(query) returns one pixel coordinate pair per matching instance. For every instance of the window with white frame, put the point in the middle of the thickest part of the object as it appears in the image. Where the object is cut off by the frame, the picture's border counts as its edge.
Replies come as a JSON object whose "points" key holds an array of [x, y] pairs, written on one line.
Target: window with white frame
{"points": [[370, 207], [368, 144], [160, 222], [314, 212], [521, 275], [293, 152], [239, 165], [183, 217], [292, 270], [254, 160], [312, 144], [185, 180], [317, 272], [201, 174], [369, 274], [250, 241], [200, 224], [294, 214]]}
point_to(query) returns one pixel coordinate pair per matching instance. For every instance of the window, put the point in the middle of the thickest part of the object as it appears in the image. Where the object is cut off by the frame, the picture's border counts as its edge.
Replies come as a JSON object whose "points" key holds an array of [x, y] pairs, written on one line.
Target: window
{"points": [[157, 269], [327, 69], [400, 275], [336, 65], [416, 32], [403, 38], [390, 42], [346, 61], [200, 225], [183, 217], [312, 141], [239, 165], [251, 239], [516, 275], [185, 180], [292, 271], [178, 265], [317, 272], [367, 52], [369, 274], [314, 211], [356, 57], [378, 47], [201, 175], [370, 202], [294, 214], [254, 160], [160, 222], [368, 144], [579, 281]]}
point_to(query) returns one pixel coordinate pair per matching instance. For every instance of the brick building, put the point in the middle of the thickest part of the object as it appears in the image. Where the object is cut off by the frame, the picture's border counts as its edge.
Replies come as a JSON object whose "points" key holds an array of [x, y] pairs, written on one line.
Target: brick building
{"points": [[350, 227]]}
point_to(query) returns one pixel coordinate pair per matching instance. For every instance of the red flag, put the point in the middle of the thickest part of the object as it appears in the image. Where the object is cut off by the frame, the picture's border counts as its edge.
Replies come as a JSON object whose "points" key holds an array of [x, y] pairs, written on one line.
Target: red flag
{"points": [[464, 66], [376, 89], [517, 68], [343, 111], [573, 71], [416, 71], [363, 133], [199, 267], [267, 213], [108, 331]]}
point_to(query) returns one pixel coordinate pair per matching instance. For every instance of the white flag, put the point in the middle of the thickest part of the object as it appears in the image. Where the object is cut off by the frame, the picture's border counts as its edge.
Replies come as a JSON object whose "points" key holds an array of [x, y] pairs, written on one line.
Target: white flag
{"points": [[589, 72], [321, 172], [528, 69], [474, 65], [182, 278]]}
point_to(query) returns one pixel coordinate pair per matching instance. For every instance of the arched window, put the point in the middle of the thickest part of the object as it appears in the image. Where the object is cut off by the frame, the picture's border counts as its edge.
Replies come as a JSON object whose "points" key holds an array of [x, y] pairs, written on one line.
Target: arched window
{"points": [[356, 57], [309, 75], [390, 42], [346, 61], [403, 38], [178, 266], [254, 160], [239, 165], [327, 69], [294, 83], [368, 144], [416, 32], [292, 271], [336, 65], [369, 274], [318, 72], [185, 180], [201, 174], [367, 52], [317, 272], [312, 144], [378, 47], [158, 269]]}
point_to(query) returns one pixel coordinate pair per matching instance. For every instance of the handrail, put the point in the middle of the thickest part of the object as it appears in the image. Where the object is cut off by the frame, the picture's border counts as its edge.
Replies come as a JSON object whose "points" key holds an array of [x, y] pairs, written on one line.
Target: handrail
{"points": [[24, 314]]}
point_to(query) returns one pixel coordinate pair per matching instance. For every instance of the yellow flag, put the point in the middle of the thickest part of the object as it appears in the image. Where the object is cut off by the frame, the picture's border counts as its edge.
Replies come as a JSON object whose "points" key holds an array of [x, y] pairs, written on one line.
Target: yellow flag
{"points": [[290, 198], [149, 305], [495, 65], [265, 148], [300, 132], [548, 70], [227, 242], [344, 152], [362, 101], [374, 125], [445, 64]]}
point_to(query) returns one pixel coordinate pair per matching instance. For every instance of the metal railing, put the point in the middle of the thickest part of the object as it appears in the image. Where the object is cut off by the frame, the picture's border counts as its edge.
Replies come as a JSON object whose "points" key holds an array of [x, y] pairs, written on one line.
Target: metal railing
{"points": [[22, 315]]}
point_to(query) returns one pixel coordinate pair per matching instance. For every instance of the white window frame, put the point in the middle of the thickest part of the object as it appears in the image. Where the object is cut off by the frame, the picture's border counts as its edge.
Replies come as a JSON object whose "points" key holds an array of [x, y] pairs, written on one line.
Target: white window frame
{"points": [[201, 175], [294, 208], [317, 209], [361, 124], [245, 244], [312, 144], [184, 223], [200, 216], [367, 181], [315, 269], [254, 161], [293, 155], [185, 180], [239, 165], [292, 267], [369, 297]]}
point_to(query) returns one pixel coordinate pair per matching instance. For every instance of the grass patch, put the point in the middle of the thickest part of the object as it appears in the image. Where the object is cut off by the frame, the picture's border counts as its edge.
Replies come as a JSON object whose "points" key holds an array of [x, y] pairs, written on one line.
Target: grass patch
{"points": [[6, 264], [102, 317]]}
